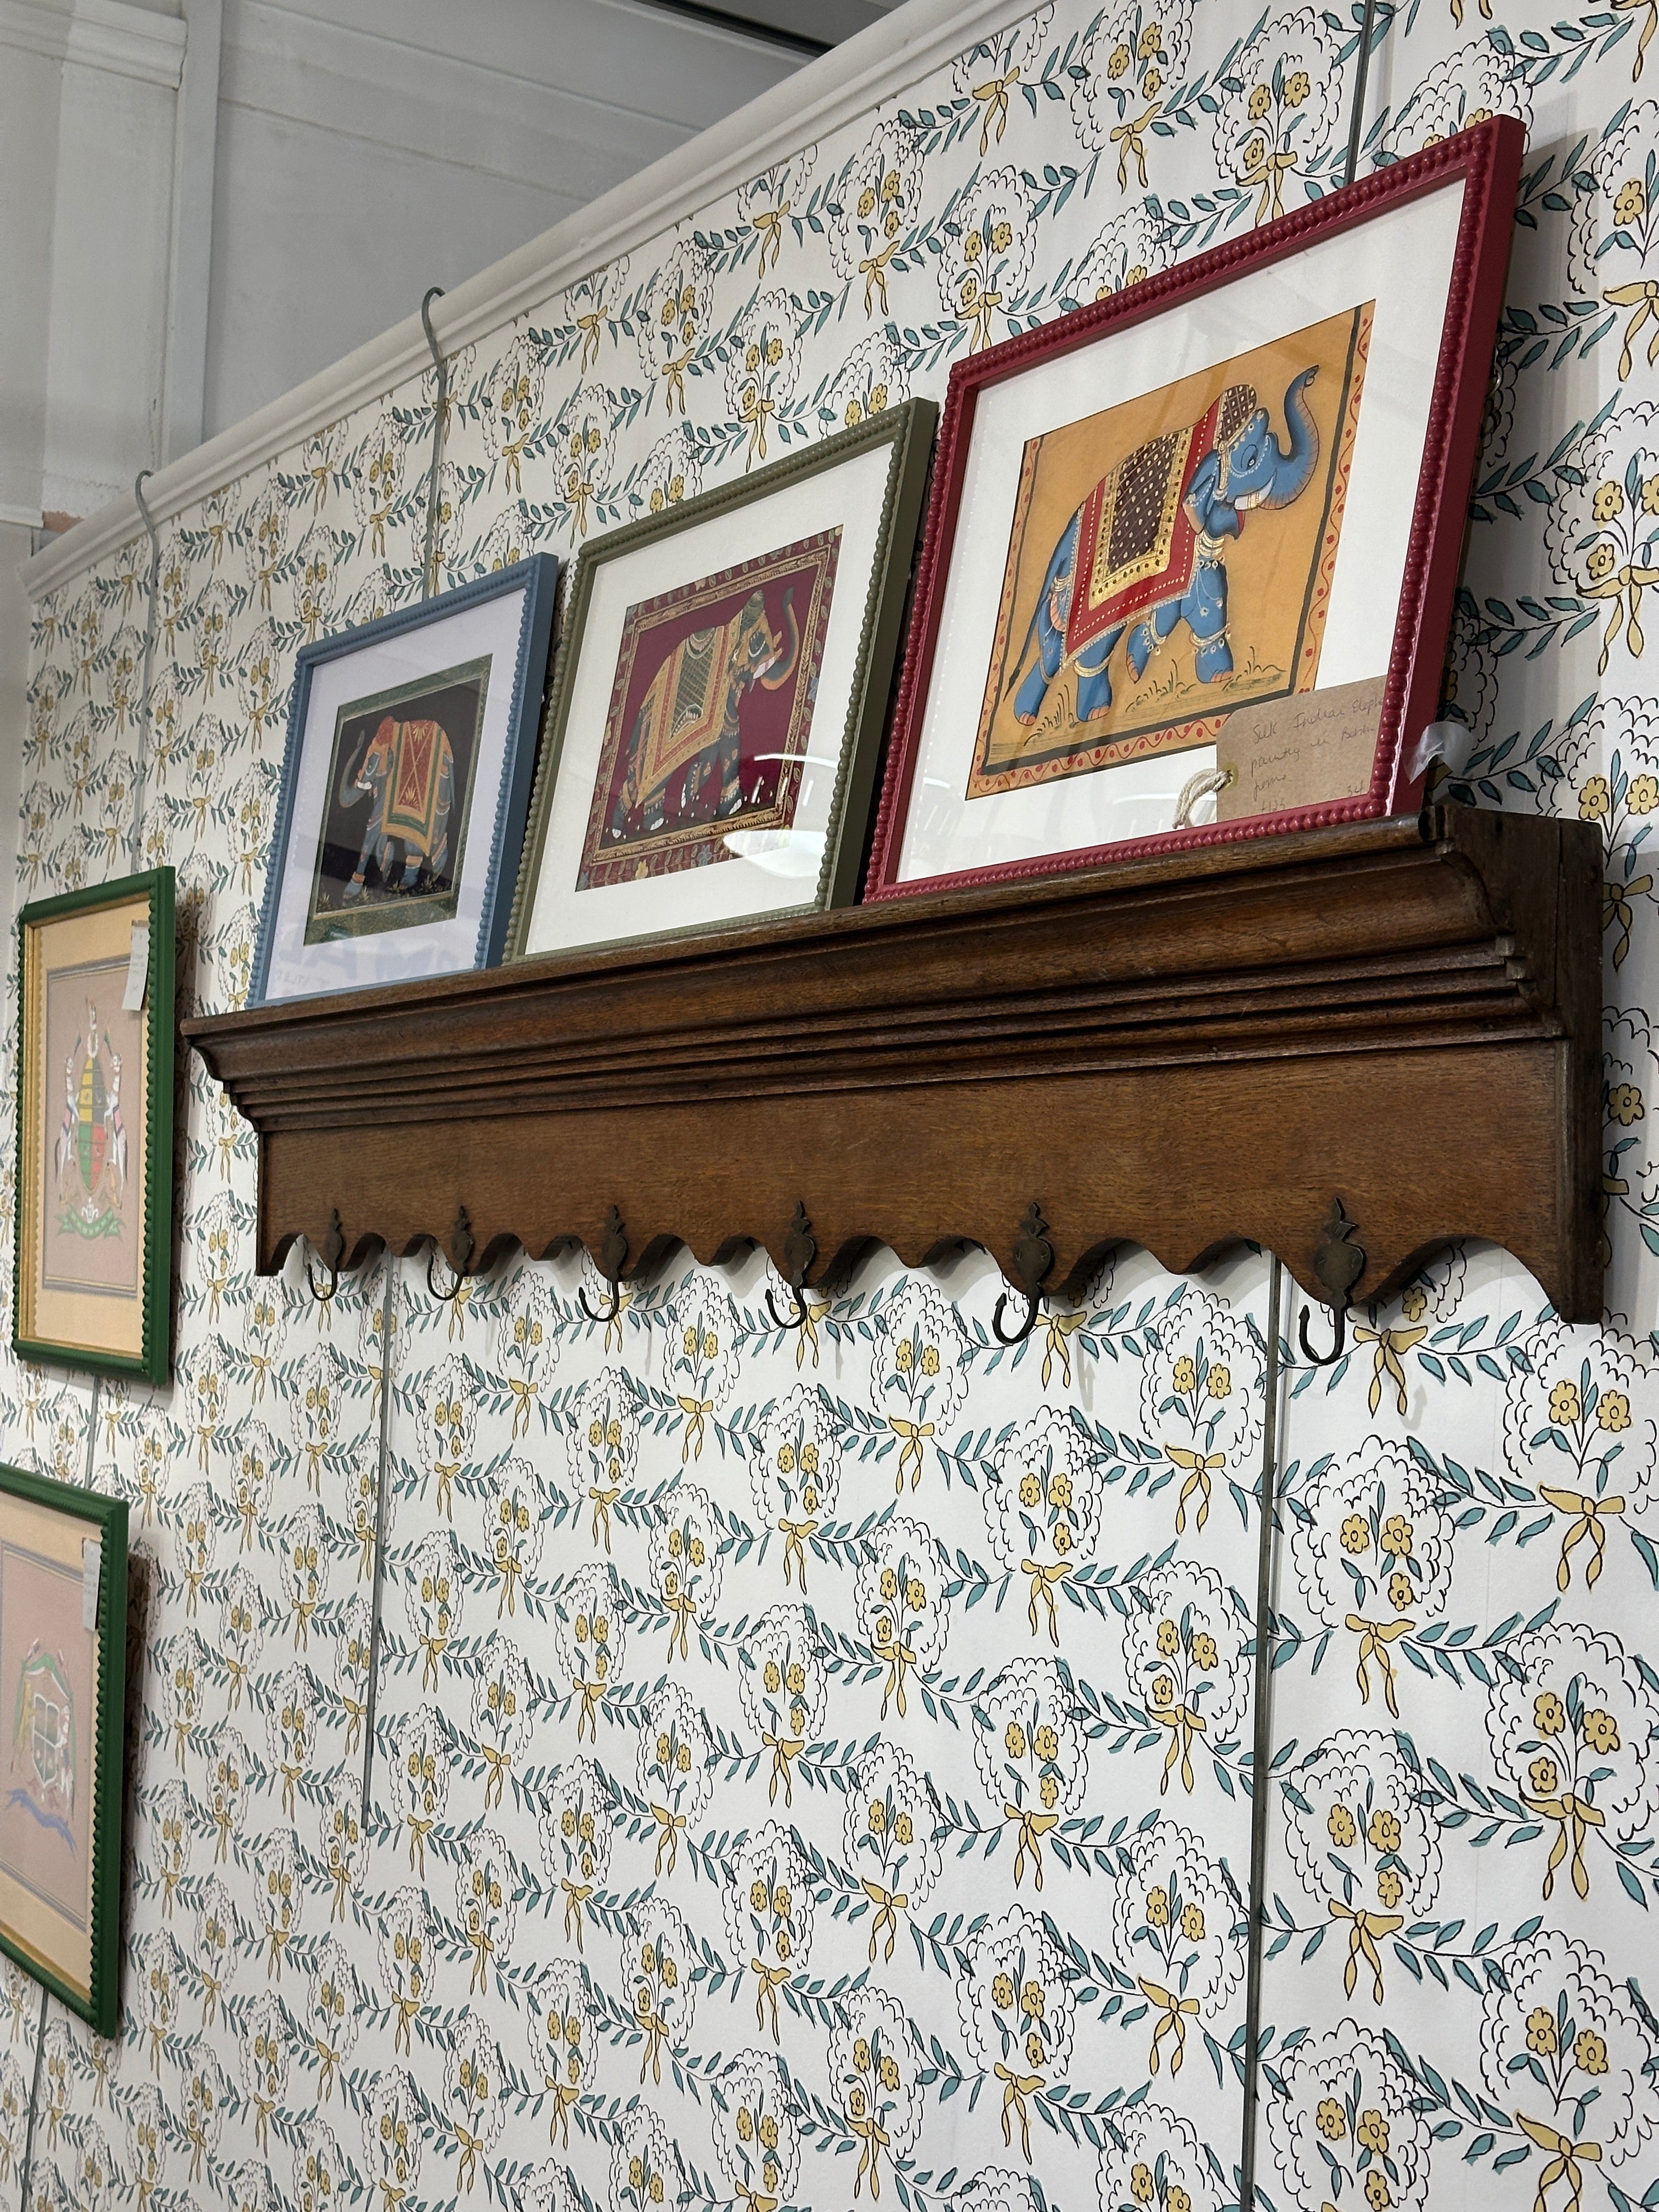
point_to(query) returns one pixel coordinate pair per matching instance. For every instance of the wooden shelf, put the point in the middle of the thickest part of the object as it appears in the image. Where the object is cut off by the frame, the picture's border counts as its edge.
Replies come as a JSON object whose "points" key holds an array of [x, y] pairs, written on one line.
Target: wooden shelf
{"points": [[1182, 1052]]}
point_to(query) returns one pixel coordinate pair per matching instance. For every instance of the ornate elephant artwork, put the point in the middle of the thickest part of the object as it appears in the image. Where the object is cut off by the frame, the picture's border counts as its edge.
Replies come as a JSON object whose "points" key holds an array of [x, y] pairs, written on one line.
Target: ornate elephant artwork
{"points": [[705, 743], [394, 823], [1186, 527]]}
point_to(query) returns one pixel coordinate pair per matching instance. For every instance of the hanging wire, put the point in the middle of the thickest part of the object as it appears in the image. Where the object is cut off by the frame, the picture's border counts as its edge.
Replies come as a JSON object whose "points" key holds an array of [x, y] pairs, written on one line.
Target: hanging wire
{"points": [[1362, 70], [429, 563], [135, 842], [1261, 1753], [27, 2172]]}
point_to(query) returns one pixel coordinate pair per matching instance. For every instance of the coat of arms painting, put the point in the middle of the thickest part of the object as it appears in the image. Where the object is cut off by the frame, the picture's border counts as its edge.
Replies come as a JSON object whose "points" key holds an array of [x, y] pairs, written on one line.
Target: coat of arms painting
{"points": [[1171, 560]]}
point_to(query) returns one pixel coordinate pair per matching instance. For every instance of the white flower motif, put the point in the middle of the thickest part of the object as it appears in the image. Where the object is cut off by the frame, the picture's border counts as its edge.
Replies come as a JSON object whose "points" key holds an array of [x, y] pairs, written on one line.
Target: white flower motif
{"points": [[263, 2059], [988, 251], [602, 1443], [291, 1727], [795, 1471], [672, 322], [701, 1363], [769, 200], [583, 443], [1042, 1508], [1286, 108], [393, 2135], [432, 1598], [527, 1347], [314, 1410], [1186, 1659], [319, 2172], [375, 474], [501, 1713], [303, 1564], [870, 377], [1563, 2038], [891, 1829], [1468, 86], [1032, 1754], [670, 472], [278, 1894], [877, 209], [657, 1960], [341, 1843], [486, 1889], [449, 1418], [1363, 1844], [407, 1957], [512, 1517], [783, 1687], [472, 2093], [1132, 54], [1201, 1398], [873, 2085], [1610, 768], [1573, 1736], [315, 572], [687, 1566], [333, 2003], [576, 1835], [1611, 244], [510, 401], [1134, 246], [1581, 1420], [762, 366], [1372, 1548], [1178, 1927], [768, 1913], [1017, 2011], [420, 1776], [561, 2025], [645, 2163], [1158, 2152], [675, 1776], [1346, 2109], [917, 1376], [757, 2132], [590, 1636], [897, 1604], [1601, 530]]}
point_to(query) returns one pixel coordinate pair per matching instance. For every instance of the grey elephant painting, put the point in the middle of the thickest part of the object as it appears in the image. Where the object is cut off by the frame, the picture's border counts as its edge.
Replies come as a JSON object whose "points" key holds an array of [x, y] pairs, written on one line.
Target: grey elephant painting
{"points": [[1171, 560], [394, 823]]}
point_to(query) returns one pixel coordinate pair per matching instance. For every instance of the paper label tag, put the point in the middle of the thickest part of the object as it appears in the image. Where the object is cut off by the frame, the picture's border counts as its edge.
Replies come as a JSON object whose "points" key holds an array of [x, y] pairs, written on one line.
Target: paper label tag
{"points": [[1299, 752], [92, 1568], [138, 968]]}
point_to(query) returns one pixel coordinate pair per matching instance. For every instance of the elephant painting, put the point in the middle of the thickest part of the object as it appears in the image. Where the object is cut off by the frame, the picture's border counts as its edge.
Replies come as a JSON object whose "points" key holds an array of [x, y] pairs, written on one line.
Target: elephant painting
{"points": [[406, 771], [704, 746], [684, 759], [1145, 551]]}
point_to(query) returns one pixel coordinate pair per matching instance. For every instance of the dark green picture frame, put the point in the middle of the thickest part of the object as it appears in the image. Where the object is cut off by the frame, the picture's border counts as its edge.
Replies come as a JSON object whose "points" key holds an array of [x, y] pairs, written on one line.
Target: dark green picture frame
{"points": [[907, 429], [37, 1096], [100, 2007]]}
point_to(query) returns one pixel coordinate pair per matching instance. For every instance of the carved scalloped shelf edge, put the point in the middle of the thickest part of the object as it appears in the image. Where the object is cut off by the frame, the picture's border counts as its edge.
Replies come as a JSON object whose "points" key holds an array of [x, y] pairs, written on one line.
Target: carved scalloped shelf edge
{"points": [[1184, 1052]]}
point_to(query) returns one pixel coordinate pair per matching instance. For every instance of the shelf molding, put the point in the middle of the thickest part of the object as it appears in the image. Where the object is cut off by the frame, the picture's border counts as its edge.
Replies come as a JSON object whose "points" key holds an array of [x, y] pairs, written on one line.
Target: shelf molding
{"points": [[1184, 1052]]}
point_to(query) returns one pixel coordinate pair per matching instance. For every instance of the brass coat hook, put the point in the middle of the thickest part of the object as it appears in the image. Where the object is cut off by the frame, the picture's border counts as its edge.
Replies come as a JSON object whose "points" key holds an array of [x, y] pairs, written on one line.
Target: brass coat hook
{"points": [[799, 1250], [331, 1249], [613, 1255], [459, 1256], [1338, 1263]]}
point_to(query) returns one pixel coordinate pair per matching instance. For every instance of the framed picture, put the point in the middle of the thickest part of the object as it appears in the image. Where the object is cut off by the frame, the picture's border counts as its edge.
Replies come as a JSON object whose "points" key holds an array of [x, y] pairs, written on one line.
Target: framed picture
{"points": [[62, 1691], [94, 1128], [411, 745], [718, 707], [1191, 550]]}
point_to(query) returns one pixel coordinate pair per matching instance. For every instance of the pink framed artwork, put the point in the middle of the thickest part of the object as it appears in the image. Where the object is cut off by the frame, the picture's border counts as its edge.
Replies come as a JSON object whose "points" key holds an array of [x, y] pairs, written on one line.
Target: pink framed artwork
{"points": [[1191, 551]]}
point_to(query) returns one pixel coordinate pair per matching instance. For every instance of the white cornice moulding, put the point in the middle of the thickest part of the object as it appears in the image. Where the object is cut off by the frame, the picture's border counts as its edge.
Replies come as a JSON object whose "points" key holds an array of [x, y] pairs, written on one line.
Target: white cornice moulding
{"points": [[103, 34], [877, 65], [26, 518]]}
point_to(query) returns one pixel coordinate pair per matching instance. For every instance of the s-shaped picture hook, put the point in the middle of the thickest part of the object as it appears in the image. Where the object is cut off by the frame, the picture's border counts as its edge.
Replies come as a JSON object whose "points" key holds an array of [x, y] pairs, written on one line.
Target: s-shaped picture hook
{"points": [[799, 1250], [1339, 1262]]}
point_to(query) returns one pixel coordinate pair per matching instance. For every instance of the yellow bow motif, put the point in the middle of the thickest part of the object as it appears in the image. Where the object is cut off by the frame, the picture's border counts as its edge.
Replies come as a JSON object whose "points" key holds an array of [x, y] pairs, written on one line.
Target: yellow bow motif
{"points": [[1030, 1829], [523, 1393], [992, 96], [875, 2140], [671, 1824], [435, 1648], [873, 269], [757, 406], [1374, 1637], [1044, 1582], [1362, 1933], [783, 1748], [1199, 1467], [1632, 579], [1183, 1724], [1173, 2014], [589, 327], [1128, 139], [496, 1766], [896, 1657], [913, 1435], [1623, 8], [889, 1903], [769, 1981], [466, 2172], [1017, 2088], [1616, 897], [419, 1832], [1588, 1523], [1577, 1816], [592, 1696], [1058, 1329], [656, 2034], [1267, 171], [565, 2094], [767, 226], [1563, 2163], [682, 1610], [1390, 1343], [603, 1500], [794, 1535], [694, 1409]]}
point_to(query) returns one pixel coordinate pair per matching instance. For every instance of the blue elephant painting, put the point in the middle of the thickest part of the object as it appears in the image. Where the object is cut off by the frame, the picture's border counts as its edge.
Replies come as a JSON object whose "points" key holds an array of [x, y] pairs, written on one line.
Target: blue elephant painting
{"points": [[1141, 560]]}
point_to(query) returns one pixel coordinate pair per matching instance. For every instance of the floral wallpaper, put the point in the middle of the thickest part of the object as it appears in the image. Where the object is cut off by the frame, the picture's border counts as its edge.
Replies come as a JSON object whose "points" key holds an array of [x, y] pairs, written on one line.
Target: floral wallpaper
{"points": [[813, 1769]]}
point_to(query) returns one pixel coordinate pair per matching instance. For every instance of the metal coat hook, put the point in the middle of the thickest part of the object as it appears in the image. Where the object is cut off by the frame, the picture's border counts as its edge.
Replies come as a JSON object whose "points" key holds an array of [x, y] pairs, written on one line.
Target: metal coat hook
{"points": [[333, 1249], [428, 579], [458, 1256], [799, 1250], [613, 1253], [1338, 1263], [1033, 1257]]}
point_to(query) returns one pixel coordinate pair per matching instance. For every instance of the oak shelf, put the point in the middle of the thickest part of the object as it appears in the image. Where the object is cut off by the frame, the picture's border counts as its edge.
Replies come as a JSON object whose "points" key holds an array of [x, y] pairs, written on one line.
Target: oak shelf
{"points": [[1182, 1052]]}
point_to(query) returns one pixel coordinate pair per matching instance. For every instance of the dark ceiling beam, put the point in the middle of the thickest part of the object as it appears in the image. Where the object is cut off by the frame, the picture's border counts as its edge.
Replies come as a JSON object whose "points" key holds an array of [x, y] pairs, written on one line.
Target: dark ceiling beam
{"points": [[772, 27]]}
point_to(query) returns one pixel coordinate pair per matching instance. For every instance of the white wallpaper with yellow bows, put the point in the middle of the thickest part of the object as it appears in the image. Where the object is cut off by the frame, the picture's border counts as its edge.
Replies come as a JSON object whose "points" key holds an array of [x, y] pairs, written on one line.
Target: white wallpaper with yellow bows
{"points": [[815, 1770]]}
